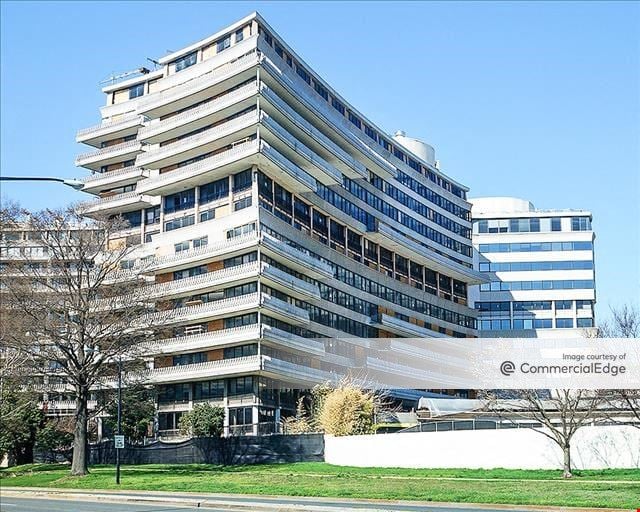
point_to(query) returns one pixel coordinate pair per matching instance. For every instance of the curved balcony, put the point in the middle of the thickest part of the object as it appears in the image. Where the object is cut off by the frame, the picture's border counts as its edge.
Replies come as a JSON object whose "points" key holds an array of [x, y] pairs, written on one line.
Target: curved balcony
{"points": [[198, 117], [298, 373], [198, 88], [278, 337], [285, 171], [119, 203], [292, 148], [404, 328], [304, 130], [185, 259], [284, 311], [194, 145], [120, 177], [201, 172], [208, 370], [109, 155], [295, 258], [204, 282], [108, 130], [206, 340], [292, 285]]}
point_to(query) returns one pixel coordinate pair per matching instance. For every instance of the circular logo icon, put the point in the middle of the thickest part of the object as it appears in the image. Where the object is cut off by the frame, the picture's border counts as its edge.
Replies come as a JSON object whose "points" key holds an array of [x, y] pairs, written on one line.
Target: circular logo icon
{"points": [[507, 368]]}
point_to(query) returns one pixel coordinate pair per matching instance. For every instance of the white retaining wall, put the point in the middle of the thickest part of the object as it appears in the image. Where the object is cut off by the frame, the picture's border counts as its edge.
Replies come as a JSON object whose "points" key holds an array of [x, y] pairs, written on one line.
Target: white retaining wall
{"points": [[592, 448]]}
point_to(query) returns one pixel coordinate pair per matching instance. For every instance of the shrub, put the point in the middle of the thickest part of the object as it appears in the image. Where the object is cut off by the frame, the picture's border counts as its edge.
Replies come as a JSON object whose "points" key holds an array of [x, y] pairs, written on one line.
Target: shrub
{"points": [[346, 411], [204, 420]]}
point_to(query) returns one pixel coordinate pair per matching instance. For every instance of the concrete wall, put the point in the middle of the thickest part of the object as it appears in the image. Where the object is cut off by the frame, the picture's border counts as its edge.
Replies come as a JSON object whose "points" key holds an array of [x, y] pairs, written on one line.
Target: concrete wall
{"points": [[592, 448]]}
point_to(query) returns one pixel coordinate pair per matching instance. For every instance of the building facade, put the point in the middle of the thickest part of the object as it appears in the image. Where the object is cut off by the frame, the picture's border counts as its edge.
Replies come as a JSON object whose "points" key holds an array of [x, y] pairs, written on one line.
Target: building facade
{"points": [[540, 266], [276, 219]]}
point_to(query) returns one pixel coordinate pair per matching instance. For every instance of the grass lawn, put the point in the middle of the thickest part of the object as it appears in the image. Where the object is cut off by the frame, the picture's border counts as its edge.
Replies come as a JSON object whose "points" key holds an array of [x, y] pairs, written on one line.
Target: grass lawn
{"points": [[610, 488]]}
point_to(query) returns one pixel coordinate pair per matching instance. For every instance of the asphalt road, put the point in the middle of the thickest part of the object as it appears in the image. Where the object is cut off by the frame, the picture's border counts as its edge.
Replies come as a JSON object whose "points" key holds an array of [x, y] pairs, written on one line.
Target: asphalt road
{"points": [[81, 504]]}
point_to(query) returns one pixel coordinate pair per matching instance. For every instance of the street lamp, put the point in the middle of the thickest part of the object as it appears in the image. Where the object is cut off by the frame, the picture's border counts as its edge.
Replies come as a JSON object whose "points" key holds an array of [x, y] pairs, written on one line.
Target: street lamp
{"points": [[119, 418], [75, 184]]}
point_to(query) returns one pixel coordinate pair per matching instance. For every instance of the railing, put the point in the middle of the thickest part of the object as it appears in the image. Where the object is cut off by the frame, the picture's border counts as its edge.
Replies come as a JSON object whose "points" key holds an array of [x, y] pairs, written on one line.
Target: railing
{"points": [[205, 136], [207, 108], [107, 126], [205, 337], [212, 248], [289, 280], [206, 278], [201, 166], [157, 374], [132, 145], [125, 171], [301, 149], [194, 85], [114, 197], [289, 167], [64, 404], [297, 254], [305, 126], [290, 309], [292, 340]]}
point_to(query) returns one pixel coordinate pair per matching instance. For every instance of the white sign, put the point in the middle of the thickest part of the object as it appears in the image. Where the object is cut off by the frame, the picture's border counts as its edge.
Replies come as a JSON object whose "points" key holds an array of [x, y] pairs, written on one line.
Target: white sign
{"points": [[118, 441]]}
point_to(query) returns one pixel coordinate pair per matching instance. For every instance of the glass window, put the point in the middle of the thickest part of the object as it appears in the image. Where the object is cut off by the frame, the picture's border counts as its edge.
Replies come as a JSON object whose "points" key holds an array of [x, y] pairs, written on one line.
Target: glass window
{"points": [[556, 224], [242, 180], [180, 201], [136, 91], [585, 322], [186, 61], [179, 223], [223, 44], [215, 190], [152, 215], [181, 246], [337, 105], [580, 224], [201, 242], [564, 304], [564, 323], [239, 35], [241, 204]]}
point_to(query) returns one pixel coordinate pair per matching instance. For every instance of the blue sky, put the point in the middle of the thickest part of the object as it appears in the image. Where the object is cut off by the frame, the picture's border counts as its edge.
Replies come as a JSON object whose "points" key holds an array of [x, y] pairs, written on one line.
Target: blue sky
{"points": [[540, 101]]}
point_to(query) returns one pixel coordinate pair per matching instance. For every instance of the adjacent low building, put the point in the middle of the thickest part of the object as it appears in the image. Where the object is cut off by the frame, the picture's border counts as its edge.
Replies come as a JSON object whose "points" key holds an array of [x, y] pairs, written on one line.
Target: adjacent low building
{"points": [[540, 267]]}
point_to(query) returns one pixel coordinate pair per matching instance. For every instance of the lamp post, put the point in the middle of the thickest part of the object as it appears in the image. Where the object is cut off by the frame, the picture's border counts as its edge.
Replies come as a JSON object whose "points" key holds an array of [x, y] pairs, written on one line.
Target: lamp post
{"points": [[75, 184], [119, 418]]}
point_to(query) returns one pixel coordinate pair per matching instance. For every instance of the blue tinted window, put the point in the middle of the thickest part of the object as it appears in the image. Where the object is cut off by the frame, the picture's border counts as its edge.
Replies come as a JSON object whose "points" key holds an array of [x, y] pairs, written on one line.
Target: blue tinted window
{"points": [[186, 61]]}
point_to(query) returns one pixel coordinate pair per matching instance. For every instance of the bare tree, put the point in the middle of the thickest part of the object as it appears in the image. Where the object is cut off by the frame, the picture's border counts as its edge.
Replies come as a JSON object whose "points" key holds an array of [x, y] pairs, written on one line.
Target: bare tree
{"points": [[624, 404], [69, 308], [556, 414]]}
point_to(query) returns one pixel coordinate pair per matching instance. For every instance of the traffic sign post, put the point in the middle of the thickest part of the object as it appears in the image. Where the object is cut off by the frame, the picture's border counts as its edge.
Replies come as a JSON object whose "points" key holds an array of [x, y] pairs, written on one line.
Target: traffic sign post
{"points": [[118, 442]]}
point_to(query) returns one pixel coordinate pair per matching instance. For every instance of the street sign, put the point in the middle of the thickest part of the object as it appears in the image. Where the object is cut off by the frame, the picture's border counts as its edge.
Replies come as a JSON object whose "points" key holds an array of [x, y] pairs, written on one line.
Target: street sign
{"points": [[118, 441]]}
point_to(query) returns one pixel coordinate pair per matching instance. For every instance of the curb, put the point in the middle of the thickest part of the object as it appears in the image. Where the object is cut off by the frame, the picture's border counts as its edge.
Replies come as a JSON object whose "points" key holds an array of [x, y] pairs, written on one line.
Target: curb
{"points": [[261, 503]]}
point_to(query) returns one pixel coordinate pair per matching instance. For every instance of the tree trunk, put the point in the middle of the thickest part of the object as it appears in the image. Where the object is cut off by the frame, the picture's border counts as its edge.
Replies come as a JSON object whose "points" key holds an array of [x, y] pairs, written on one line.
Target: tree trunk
{"points": [[566, 466], [79, 461]]}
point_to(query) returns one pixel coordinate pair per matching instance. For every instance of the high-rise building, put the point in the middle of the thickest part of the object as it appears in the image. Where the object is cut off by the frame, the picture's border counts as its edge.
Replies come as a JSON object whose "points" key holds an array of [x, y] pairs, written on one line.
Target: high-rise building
{"points": [[273, 214], [541, 268]]}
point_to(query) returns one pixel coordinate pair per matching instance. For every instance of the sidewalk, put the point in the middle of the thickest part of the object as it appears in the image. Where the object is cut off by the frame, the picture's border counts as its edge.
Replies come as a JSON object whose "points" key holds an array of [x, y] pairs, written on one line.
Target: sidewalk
{"points": [[256, 503]]}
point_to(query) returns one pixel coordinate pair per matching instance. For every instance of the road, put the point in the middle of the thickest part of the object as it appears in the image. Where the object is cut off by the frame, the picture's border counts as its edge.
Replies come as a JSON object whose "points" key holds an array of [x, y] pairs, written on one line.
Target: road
{"points": [[229, 503]]}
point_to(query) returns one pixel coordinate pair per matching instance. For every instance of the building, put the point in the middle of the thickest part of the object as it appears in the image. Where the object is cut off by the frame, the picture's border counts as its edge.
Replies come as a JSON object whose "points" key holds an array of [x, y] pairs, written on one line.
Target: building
{"points": [[276, 219], [541, 268]]}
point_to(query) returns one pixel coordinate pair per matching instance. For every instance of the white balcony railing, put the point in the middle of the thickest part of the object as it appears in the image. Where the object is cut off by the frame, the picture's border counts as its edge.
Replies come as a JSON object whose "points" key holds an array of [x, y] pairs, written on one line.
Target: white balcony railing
{"points": [[208, 369], [107, 127], [205, 339], [285, 308], [195, 85], [131, 146], [208, 108], [197, 168], [198, 139], [290, 281], [298, 255], [117, 175], [301, 179]]}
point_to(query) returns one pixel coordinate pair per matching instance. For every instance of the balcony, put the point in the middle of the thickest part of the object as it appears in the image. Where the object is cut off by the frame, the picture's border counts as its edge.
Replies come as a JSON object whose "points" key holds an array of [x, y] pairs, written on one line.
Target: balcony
{"points": [[200, 143], [292, 285], [120, 177], [200, 116], [108, 130], [208, 370], [206, 340], [198, 173], [404, 328], [205, 282], [279, 338], [94, 160], [201, 312], [185, 259], [285, 171], [295, 258], [64, 405], [284, 311], [293, 149], [198, 88], [298, 373], [295, 123], [120, 203]]}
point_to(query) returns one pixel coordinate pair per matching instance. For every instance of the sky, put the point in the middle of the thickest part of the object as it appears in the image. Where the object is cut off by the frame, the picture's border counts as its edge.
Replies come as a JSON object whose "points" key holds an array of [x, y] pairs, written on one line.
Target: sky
{"points": [[534, 100]]}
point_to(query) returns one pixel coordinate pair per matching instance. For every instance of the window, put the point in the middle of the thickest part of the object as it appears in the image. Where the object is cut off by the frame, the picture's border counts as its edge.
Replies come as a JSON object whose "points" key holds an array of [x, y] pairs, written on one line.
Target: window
{"points": [[542, 323], [241, 230], [186, 61], [223, 44], [583, 304], [152, 215], [180, 201], [321, 90], [483, 226], [189, 272], [239, 35], [182, 246], [241, 204], [208, 390], [580, 224], [215, 190], [179, 223], [370, 132], [303, 74], [585, 322], [564, 304], [195, 358], [302, 215], [556, 224], [201, 242], [242, 180], [240, 416], [355, 120], [207, 215], [241, 351], [240, 386], [337, 105], [239, 321], [136, 90], [132, 219], [564, 323]]}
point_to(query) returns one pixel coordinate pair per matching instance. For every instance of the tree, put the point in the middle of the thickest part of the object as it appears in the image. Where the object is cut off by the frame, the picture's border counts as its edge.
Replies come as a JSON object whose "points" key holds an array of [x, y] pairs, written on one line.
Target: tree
{"points": [[347, 410], [20, 419], [138, 411], [204, 420], [73, 310], [54, 437], [624, 404], [560, 413]]}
